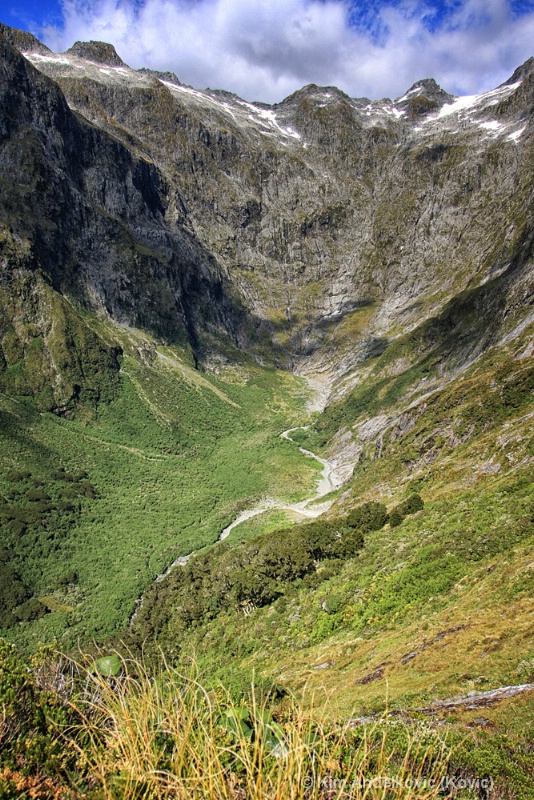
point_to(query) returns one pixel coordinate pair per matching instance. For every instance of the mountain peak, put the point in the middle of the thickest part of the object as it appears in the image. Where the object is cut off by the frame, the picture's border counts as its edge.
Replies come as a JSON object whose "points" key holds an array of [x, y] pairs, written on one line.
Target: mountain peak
{"points": [[521, 72], [312, 91], [22, 40], [166, 75], [430, 89], [101, 52], [424, 97]]}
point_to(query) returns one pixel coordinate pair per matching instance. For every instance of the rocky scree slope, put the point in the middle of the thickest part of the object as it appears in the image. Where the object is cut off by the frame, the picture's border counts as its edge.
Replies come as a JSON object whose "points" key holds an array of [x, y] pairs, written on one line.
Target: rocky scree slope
{"points": [[320, 228]]}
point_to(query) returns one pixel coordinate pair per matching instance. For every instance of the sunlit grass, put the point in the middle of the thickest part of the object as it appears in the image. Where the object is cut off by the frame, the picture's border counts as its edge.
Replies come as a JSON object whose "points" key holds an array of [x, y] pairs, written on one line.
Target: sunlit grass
{"points": [[167, 737]]}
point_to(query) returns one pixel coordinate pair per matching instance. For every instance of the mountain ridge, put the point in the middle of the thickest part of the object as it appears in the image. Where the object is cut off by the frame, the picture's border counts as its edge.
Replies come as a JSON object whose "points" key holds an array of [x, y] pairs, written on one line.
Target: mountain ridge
{"points": [[275, 238]]}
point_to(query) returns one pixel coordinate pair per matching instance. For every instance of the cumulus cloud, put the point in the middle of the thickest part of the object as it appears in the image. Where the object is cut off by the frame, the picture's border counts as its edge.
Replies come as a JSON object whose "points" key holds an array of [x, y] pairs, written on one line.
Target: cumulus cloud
{"points": [[267, 49]]}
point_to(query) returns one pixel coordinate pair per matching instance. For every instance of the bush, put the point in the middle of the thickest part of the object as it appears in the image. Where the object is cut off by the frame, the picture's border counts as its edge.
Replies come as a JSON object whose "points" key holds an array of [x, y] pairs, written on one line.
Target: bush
{"points": [[18, 475], [34, 752], [36, 495], [17, 528], [68, 579], [396, 517], [349, 545], [13, 592], [413, 504], [368, 517], [30, 610], [332, 604]]}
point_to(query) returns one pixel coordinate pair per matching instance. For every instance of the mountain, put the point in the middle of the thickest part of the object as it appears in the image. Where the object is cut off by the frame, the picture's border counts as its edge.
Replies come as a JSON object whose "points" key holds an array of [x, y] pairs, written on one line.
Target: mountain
{"points": [[186, 275], [304, 221]]}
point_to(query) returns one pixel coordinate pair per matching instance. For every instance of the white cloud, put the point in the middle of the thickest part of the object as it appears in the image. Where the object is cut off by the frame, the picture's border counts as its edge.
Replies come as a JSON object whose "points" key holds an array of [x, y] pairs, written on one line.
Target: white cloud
{"points": [[267, 49]]}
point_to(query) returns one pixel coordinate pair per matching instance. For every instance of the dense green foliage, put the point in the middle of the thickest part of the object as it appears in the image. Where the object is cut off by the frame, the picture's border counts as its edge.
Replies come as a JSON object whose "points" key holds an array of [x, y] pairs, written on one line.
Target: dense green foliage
{"points": [[255, 573], [57, 358], [369, 516], [248, 576], [95, 506], [33, 522], [33, 753]]}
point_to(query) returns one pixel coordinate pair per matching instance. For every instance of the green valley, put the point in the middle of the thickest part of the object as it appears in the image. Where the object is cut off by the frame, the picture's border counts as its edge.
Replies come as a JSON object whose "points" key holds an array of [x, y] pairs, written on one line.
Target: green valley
{"points": [[170, 462], [266, 438]]}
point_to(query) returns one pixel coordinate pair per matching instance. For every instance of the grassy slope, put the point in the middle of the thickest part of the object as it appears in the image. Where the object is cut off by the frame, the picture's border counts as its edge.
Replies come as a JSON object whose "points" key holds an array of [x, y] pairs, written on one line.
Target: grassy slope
{"points": [[177, 454], [468, 450], [173, 458], [439, 606]]}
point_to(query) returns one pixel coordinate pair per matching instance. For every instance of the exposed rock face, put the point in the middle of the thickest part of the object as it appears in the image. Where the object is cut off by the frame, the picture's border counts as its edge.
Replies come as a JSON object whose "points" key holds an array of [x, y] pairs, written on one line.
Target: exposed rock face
{"points": [[100, 52], [424, 97], [23, 40], [321, 225], [83, 217]]}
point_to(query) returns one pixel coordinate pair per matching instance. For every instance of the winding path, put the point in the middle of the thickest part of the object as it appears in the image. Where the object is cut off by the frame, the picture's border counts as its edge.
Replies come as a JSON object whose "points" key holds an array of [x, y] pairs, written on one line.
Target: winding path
{"points": [[309, 508]]}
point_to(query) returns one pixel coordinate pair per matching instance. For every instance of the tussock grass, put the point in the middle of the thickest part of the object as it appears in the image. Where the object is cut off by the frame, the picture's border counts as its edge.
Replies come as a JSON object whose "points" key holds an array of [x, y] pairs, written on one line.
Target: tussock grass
{"points": [[167, 737]]}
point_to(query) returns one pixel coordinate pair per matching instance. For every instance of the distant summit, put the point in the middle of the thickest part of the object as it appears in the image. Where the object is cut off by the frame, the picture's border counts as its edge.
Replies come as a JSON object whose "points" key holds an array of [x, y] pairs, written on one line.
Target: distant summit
{"points": [[100, 52], [318, 93], [424, 97], [170, 77]]}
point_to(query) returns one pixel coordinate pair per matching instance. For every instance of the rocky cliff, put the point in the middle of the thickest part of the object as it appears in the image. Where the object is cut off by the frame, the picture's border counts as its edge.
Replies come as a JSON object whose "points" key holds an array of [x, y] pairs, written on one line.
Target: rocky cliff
{"points": [[310, 233]]}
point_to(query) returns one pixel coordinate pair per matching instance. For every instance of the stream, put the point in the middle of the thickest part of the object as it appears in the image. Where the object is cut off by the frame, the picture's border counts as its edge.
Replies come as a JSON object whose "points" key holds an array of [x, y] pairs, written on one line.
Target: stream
{"points": [[328, 482], [307, 509]]}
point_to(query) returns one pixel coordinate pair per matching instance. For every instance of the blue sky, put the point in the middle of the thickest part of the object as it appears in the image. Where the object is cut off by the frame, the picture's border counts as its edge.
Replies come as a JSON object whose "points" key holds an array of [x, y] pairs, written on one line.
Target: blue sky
{"points": [[264, 50]]}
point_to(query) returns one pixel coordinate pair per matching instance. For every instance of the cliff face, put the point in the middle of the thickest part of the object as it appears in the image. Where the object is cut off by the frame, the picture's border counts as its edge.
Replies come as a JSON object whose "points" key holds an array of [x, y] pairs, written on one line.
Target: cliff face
{"points": [[311, 232], [83, 218]]}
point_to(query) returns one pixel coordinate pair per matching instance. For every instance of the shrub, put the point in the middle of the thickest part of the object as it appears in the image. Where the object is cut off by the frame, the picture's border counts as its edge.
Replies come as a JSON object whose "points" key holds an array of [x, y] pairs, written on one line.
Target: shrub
{"points": [[396, 517], [18, 475], [68, 579], [36, 494], [17, 528], [368, 517], [332, 604], [13, 592], [413, 504], [31, 737], [349, 544], [30, 610]]}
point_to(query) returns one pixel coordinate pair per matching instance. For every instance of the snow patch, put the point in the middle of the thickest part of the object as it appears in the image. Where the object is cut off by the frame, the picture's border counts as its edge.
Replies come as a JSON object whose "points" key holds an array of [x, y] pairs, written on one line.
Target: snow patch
{"points": [[407, 95], [53, 59], [492, 126], [472, 102], [263, 117], [270, 118], [203, 98], [460, 104], [514, 137]]}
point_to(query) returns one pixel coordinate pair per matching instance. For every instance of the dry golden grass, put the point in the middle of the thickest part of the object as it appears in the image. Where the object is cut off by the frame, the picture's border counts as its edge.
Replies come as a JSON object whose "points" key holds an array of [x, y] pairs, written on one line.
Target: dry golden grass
{"points": [[166, 737]]}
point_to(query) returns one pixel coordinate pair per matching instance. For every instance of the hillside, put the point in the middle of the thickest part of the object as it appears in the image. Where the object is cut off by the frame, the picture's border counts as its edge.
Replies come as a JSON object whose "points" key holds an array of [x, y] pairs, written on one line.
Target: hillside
{"points": [[184, 276]]}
